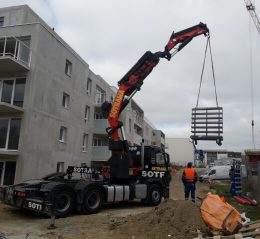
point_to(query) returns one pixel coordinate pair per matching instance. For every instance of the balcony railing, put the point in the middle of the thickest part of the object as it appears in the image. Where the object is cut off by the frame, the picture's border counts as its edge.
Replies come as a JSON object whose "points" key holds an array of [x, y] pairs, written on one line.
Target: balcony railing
{"points": [[100, 98], [100, 153], [15, 56], [100, 126]]}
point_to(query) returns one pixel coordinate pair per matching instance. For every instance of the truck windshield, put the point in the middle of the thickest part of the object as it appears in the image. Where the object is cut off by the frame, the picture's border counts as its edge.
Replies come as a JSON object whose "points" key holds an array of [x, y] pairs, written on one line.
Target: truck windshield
{"points": [[160, 159]]}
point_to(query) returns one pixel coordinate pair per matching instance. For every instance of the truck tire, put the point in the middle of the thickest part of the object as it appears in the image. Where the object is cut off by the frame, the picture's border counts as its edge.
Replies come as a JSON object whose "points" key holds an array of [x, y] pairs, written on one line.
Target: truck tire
{"points": [[64, 203], [92, 200], [154, 196]]}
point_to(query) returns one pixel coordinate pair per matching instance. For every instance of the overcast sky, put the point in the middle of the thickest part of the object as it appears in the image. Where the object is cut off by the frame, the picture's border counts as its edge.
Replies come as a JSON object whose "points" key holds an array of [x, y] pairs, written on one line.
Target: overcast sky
{"points": [[112, 35]]}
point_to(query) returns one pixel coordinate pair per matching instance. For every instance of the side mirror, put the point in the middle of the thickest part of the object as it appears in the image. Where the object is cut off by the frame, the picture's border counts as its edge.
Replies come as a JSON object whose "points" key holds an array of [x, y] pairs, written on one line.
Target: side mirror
{"points": [[167, 160]]}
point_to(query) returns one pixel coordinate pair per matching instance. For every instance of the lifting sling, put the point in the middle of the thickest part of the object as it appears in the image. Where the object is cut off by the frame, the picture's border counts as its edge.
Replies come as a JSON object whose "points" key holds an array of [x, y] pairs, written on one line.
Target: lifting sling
{"points": [[207, 122]]}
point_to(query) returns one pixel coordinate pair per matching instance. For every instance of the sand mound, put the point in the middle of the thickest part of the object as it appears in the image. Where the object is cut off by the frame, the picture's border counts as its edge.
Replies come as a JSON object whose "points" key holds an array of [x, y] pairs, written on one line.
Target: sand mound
{"points": [[171, 219]]}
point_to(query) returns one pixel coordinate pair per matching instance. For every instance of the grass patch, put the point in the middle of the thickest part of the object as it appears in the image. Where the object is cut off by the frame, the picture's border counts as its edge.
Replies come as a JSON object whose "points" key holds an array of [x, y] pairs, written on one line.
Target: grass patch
{"points": [[252, 212]]}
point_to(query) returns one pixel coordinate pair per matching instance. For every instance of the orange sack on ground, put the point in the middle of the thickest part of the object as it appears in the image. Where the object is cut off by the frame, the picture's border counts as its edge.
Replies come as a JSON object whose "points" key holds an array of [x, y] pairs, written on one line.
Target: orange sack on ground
{"points": [[218, 214]]}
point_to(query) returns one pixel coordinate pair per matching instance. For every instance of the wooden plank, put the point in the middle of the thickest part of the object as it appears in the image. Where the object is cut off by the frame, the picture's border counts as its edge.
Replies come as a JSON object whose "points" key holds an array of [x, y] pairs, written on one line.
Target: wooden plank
{"points": [[255, 233], [251, 223], [238, 236], [250, 227], [199, 234]]}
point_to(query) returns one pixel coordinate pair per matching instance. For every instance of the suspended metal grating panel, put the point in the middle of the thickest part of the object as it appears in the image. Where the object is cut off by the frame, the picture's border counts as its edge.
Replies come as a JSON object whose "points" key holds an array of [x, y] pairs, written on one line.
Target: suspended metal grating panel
{"points": [[207, 124]]}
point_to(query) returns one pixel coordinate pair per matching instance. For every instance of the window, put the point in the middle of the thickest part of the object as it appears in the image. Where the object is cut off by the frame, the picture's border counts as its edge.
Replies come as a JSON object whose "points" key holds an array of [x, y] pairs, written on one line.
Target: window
{"points": [[100, 95], [98, 115], [2, 19], [87, 113], [160, 159], [12, 91], [19, 92], [3, 132], [7, 172], [60, 167], [7, 90], [24, 48], [212, 172], [1, 171], [68, 68], [65, 100], [99, 141], [89, 86], [63, 134], [14, 133], [85, 143], [10, 168], [9, 133]]}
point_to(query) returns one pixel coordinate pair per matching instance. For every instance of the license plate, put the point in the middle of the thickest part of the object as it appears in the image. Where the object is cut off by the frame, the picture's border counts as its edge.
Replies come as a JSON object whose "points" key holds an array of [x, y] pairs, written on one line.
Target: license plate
{"points": [[36, 206]]}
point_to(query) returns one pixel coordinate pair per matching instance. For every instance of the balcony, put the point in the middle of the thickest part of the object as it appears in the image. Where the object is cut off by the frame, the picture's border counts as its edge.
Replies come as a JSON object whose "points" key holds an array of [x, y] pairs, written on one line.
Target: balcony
{"points": [[100, 126], [6, 108], [137, 139], [100, 153], [100, 98], [8, 154], [15, 56]]}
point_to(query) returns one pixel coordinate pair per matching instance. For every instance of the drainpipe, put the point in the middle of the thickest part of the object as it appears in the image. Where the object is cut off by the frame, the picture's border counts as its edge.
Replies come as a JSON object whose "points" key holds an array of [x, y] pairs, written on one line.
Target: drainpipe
{"points": [[142, 154]]}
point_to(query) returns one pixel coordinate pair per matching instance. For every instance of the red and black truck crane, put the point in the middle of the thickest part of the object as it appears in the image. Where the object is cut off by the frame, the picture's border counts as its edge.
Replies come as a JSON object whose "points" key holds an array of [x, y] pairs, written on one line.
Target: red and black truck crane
{"points": [[135, 172], [121, 162]]}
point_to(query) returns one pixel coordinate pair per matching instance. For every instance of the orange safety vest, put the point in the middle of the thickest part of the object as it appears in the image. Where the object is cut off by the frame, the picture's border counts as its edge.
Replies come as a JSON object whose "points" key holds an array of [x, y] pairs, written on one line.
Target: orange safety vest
{"points": [[189, 174]]}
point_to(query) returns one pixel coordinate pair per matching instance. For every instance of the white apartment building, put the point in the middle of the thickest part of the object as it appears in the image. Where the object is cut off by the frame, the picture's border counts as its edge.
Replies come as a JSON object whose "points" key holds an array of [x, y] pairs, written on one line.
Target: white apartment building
{"points": [[50, 101]]}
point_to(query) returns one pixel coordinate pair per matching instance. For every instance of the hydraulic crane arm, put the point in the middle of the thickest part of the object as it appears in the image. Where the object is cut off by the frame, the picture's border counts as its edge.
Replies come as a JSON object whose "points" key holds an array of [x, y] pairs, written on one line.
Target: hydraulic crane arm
{"points": [[120, 161], [133, 79]]}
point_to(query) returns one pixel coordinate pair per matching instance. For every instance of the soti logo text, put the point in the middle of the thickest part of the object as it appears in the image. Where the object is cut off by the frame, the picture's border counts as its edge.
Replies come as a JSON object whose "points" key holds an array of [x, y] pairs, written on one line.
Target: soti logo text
{"points": [[153, 174], [35, 206]]}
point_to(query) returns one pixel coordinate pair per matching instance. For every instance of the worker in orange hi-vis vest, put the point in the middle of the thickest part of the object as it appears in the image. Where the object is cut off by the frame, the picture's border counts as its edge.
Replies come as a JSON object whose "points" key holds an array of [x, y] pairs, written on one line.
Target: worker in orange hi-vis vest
{"points": [[189, 179]]}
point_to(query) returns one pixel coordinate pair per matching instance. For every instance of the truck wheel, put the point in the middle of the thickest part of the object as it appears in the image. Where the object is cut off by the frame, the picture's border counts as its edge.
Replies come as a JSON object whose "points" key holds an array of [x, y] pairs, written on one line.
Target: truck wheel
{"points": [[93, 200], [154, 196], [65, 203]]}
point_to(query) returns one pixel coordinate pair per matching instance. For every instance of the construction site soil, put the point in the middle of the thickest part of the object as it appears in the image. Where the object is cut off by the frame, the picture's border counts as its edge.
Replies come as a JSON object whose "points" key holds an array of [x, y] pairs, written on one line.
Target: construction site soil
{"points": [[173, 218]]}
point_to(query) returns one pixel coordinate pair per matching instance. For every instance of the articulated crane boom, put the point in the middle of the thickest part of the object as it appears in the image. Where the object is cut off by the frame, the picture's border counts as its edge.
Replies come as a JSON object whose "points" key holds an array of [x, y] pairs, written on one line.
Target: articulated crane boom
{"points": [[251, 8], [120, 162]]}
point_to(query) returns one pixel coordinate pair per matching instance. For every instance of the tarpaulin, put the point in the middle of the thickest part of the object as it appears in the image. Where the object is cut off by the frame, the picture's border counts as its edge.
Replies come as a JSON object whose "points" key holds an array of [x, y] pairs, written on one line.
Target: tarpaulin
{"points": [[218, 214]]}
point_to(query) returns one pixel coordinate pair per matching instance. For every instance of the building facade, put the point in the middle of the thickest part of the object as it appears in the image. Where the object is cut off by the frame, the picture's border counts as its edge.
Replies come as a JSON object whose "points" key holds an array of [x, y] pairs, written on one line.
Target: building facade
{"points": [[50, 102], [220, 157]]}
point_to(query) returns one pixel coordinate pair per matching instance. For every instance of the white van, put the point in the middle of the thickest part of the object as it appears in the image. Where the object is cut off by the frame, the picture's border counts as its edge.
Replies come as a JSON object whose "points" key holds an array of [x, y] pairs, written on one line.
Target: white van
{"points": [[217, 173]]}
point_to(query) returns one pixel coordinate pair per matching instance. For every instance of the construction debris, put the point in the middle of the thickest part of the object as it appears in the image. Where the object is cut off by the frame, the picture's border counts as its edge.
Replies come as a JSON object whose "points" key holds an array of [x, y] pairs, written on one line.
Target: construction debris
{"points": [[249, 230], [242, 199]]}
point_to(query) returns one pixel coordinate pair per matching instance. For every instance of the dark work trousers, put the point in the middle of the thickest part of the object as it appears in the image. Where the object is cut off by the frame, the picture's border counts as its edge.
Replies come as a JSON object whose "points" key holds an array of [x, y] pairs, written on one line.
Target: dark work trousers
{"points": [[189, 188]]}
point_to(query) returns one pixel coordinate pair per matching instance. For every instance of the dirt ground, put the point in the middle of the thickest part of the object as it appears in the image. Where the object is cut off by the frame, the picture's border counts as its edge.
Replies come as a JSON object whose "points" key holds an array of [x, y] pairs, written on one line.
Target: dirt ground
{"points": [[173, 218]]}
